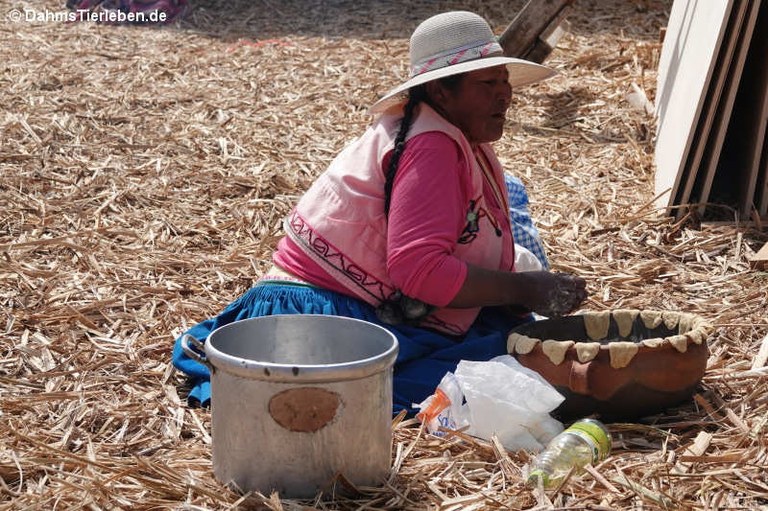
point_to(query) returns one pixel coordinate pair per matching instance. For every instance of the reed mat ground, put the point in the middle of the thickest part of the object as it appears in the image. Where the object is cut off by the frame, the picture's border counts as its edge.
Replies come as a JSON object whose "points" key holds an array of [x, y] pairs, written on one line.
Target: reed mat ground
{"points": [[144, 172]]}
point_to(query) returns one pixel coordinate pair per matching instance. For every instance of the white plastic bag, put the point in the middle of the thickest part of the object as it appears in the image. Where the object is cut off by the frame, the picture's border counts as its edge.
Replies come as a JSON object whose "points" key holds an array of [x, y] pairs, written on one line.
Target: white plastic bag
{"points": [[500, 397], [525, 260]]}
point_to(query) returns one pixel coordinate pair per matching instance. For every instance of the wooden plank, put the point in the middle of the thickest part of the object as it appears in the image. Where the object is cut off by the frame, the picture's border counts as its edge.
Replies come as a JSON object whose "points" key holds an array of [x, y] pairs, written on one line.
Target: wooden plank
{"points": [[762, 187], [670, 52], [522, 34], [689, 52], [667, 178], [756, 77], [714, 145], [548, 39], [716, 111]]}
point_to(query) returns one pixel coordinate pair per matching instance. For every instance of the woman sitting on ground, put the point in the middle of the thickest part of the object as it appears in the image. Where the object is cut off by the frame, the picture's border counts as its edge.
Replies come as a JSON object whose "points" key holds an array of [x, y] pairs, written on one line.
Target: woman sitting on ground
{"points": [[409, 227]]}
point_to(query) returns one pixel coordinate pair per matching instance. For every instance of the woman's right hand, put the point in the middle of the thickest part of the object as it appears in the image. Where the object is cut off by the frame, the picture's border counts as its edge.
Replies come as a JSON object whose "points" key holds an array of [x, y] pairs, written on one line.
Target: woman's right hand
{"points": [[550, 294]]}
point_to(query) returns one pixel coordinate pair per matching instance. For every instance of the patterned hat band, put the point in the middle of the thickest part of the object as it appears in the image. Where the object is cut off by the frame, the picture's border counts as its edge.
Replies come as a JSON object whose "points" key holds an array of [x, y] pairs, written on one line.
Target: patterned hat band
{"points": [[451, 43], [473, 51]]}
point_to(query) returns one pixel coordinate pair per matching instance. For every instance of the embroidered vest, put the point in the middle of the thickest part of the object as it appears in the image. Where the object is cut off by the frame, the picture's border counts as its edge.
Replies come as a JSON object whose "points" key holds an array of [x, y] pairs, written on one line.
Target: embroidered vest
{"points": [[340, 221]]}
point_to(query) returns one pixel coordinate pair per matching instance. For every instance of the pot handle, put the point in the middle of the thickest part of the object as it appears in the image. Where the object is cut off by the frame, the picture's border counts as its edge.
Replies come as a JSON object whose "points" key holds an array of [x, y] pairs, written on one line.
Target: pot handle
{"points": [[197, 352], [578, 379]]}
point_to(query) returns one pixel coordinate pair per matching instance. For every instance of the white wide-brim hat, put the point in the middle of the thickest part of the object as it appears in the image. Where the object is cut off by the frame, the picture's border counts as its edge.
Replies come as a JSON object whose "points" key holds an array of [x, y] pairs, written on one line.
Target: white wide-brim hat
{"points": [[457, 42]]}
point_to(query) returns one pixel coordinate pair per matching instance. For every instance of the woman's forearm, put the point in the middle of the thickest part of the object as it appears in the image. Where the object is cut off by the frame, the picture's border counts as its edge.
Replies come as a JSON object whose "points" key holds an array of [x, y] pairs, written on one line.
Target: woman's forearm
{"points": [[483, 287], [547, 293]]}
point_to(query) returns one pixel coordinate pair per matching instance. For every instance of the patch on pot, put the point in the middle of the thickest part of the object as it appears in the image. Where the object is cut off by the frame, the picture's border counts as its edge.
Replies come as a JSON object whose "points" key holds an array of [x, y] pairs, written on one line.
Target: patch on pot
{"points": [[304, 409], [698, 335], [555, 350], [680, 342], [622, 353], [656, 342], [686, 323], [624, 320], [651, 319], [701, 329], [522, 344], [587, 351], [596, 324], [671, 319]]}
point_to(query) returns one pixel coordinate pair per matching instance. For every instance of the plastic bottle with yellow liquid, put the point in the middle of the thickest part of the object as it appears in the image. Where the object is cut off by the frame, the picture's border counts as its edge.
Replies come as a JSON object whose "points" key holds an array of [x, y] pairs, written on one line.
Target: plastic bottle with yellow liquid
{"points": [[585, 441]]}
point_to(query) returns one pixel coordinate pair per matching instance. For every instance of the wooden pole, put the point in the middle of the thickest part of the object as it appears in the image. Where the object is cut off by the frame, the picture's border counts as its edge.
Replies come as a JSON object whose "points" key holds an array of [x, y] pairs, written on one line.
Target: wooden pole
{"points": [[534, 32]]}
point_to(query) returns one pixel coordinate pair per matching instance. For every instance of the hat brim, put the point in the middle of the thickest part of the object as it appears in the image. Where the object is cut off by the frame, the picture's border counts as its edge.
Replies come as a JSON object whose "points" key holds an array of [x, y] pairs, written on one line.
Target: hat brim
{"points": [[521, 72]]}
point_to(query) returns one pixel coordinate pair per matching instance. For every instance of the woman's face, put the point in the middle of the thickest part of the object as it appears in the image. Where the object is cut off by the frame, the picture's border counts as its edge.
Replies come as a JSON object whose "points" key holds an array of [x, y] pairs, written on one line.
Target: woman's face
{"points": [[477, 105]]}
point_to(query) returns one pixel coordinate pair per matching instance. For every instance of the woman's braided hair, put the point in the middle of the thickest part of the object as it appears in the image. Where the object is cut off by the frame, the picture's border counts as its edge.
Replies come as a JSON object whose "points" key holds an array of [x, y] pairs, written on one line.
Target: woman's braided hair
{"points": [[415, 96], [400, 308]]}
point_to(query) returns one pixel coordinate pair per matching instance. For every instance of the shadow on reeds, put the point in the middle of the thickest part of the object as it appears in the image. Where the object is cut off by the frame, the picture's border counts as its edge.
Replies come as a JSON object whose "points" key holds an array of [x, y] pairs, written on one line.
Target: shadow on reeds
{"points": [[395, 19], [361, 19]]}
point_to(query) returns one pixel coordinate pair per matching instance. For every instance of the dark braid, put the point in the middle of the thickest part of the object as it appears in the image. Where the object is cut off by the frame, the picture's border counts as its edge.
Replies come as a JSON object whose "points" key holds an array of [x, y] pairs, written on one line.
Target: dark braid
{"points": [[414, 98], [399, 308]]}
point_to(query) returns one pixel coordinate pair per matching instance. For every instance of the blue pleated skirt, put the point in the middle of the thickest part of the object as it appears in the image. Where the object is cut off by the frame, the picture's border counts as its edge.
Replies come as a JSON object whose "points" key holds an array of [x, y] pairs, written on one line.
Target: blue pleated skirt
{"points": [[424, 355]]}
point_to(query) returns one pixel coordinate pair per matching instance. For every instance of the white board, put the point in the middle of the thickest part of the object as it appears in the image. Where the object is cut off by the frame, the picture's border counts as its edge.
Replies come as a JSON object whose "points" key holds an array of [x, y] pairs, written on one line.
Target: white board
{"points": [[716, 112], [677, 16], [756, 87], [724, 123], [761, 194], [738, 170], [689, 56]]}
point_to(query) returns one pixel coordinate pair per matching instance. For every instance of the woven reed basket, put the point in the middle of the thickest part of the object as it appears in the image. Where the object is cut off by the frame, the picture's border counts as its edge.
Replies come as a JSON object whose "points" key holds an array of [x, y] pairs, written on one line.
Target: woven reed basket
{"points": [[619, 364]]}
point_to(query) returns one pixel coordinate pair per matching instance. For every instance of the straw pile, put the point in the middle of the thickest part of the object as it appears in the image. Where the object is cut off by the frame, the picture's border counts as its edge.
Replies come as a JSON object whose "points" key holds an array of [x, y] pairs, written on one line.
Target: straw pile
{"points": [[143, 175]]}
